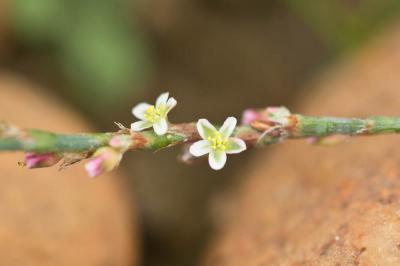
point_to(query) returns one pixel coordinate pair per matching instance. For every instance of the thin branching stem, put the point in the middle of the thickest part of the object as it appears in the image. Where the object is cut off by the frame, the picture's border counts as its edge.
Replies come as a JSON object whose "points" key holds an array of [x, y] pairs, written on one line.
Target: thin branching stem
{"points": [[268, 126], [299, 126]]}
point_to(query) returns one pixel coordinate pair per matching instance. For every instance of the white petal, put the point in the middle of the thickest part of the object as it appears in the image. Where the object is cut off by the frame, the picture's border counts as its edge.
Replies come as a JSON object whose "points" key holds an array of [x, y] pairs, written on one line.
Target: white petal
{"points": [[235, 145], [205, 128], [140, 109], [200, 148], [228, 127], [161, 127], [162, 99], [171, 103], [217, 159], [140, 125]]}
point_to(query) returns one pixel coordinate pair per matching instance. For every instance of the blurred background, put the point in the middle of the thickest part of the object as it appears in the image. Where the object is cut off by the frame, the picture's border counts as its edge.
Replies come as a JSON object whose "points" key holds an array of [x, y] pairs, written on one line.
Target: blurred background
{"points": [[216, 57]]}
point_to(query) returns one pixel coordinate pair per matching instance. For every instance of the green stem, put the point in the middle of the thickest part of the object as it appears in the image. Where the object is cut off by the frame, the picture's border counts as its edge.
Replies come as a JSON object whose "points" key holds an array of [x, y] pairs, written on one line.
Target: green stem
{"points": [[33, 140], [41, 141], [300, 126], [324, 126]]}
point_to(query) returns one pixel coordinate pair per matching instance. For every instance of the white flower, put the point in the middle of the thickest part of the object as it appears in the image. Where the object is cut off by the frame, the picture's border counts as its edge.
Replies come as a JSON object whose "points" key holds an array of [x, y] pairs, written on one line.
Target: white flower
{"points": [[153, 116], [217, 143]]}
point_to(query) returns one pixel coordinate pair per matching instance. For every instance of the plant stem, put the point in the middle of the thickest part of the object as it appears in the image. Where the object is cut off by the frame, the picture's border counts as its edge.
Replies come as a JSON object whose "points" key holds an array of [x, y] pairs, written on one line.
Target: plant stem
{"points": [[299, 126], [307, 126]]}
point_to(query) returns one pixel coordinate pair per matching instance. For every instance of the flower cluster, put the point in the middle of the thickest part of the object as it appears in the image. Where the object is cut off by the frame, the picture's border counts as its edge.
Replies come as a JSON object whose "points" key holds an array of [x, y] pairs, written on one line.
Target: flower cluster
{"points": [[216, 143]]}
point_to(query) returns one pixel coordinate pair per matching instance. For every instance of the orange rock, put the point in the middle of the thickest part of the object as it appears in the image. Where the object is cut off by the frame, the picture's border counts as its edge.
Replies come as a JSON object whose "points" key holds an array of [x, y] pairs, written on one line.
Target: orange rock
{"points": [[57, 218], [307, 205]]}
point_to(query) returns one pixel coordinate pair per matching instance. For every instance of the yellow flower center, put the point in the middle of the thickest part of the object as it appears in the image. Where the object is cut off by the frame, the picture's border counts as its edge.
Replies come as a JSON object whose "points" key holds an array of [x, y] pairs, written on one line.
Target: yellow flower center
{"points": [[153, 114], [218, 142]]}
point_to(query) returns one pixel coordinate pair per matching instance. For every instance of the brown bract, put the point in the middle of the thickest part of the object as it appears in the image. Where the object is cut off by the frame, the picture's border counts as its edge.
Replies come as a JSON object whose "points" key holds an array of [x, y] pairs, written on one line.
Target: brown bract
{"points": [[51, 217], [138, 141], [307, 205]]}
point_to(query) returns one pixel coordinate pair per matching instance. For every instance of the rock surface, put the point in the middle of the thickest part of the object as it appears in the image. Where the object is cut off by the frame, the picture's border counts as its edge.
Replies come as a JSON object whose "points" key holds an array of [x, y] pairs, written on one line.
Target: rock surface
{"points": [[305, 205], [57, 218]]}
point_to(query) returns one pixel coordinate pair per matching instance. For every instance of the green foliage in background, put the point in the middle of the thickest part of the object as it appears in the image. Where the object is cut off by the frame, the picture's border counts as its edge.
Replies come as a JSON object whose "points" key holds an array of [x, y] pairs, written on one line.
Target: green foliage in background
{"points": [[95, 42], [344, 24]]}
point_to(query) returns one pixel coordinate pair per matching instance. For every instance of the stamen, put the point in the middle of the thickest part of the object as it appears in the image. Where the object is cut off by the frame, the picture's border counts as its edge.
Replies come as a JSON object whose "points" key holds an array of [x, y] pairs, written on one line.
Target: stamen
{"points": [[218, 142], [152, 114]]}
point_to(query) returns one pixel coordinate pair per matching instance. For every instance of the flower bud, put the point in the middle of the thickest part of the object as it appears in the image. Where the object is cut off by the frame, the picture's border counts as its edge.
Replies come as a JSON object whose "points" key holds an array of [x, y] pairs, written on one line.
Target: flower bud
{"points": [[122, 142], [37, 160], [103, 160], [249, 116]]}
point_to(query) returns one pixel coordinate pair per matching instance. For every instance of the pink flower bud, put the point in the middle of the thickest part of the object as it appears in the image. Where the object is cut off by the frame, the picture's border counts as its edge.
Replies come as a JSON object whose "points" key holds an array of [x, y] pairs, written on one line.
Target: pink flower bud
{"points": [[94, 166], [37, 160], [115, 142], [122, 142], [249, 116], [103, 160]]}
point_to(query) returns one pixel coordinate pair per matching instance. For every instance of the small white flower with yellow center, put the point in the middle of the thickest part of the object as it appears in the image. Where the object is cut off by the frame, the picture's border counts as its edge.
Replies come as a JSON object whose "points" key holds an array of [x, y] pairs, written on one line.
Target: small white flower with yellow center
{"points": [[153, 116], [217, 143]]}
